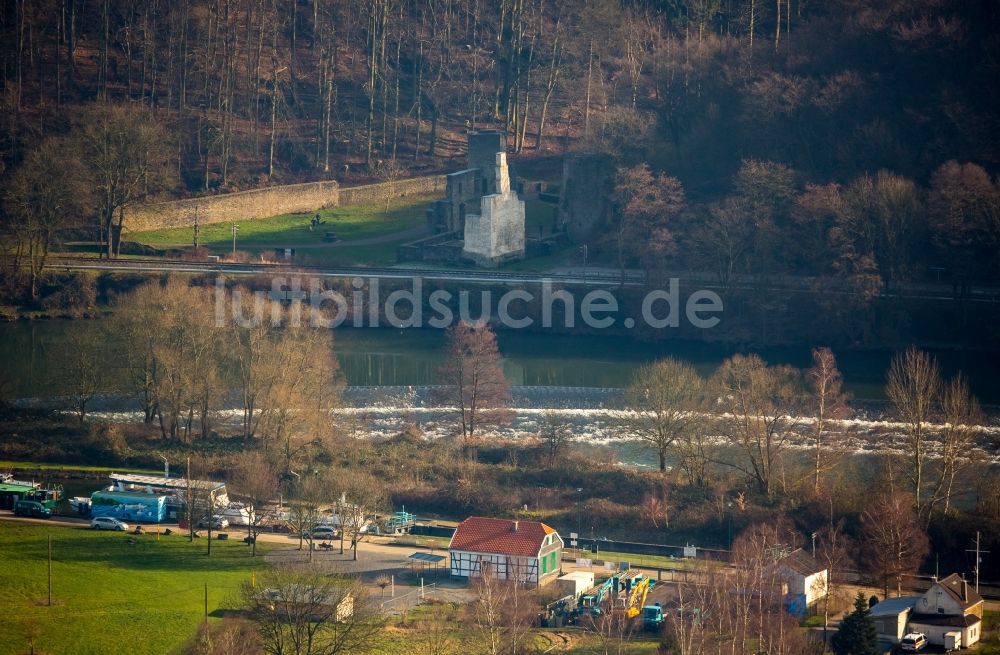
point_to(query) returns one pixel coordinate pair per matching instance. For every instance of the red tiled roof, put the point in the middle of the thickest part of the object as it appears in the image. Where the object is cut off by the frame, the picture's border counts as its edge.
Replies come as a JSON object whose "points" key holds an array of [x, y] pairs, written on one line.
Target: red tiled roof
{"points": [[483, 535]]}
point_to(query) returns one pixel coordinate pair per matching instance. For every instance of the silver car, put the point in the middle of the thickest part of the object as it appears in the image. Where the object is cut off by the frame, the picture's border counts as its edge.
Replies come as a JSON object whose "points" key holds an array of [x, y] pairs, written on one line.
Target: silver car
{"points": [[108, 523], [321, 532]]}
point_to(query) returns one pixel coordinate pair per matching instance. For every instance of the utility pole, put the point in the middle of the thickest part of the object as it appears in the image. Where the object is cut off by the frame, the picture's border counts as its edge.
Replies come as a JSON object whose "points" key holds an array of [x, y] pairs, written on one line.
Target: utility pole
{"points": [[236, 228], [979, 558], [50, 570], [206, 605], [189, 502], [196, 227]]}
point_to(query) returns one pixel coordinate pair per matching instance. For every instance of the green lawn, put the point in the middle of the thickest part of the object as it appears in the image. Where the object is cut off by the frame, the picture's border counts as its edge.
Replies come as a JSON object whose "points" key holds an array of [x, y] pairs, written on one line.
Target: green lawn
{"points": [[640, 561], [350, 223], [38, 466], [110, 596], [991, 634]]}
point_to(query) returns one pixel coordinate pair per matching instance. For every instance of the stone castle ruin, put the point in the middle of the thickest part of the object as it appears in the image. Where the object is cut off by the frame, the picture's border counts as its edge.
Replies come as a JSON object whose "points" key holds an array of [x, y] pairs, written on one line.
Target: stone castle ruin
{"points": [[481, 218]]}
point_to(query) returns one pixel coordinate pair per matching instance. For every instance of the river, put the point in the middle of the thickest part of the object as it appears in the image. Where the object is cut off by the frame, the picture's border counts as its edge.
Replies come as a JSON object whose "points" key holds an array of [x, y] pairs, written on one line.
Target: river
{"points": [[30, 352]]}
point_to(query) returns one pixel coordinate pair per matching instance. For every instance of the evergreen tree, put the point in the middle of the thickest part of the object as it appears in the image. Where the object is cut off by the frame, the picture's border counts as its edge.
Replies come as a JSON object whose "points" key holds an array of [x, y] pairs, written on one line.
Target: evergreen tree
{"points": [[857, 634]]}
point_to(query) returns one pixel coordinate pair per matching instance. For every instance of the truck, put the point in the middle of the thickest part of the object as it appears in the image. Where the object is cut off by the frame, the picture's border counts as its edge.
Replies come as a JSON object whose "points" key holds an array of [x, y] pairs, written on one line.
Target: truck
{"points": [[952, 640], [128, 506], [652, 617]]}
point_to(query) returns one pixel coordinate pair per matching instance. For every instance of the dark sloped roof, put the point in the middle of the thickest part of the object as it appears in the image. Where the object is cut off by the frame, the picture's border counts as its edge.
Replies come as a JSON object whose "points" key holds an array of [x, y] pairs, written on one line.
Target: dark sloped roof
{"points": [[498, 536], [891, 606], [953, 585], [946, 620], [802, 562]]}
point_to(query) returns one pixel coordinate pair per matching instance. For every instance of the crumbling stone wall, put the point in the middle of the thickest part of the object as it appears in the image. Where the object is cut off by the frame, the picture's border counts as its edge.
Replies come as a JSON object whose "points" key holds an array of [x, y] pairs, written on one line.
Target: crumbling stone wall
{"points": [[271, 201]]}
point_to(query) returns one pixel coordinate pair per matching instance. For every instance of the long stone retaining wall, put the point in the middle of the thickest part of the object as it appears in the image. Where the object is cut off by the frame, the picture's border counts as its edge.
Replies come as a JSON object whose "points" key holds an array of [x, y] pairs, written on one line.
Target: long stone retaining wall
{"points": [[271, 201]]}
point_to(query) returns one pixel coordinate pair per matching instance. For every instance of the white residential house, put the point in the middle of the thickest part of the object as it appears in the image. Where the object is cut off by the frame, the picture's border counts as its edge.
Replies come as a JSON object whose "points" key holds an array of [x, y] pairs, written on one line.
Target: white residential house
{"points": [[527, 551], [950, 605], [805, 577]]}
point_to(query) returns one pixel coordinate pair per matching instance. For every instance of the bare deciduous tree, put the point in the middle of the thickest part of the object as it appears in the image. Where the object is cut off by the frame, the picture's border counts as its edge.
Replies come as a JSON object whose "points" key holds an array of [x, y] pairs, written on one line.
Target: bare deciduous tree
{"points": [[829, 404], [502, 612], [473, 383], [960, 411], [760, 400], [127, 151], [893, 545], [45, 196], [304, 611], [914, 384], [255, 484], [664, 403], [360, 496], [81, 364]]}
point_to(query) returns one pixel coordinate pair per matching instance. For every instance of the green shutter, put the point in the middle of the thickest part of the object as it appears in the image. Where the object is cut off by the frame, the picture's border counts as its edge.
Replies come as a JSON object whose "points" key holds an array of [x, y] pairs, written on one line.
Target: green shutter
{"points": [[544, 571], [552, 565]]}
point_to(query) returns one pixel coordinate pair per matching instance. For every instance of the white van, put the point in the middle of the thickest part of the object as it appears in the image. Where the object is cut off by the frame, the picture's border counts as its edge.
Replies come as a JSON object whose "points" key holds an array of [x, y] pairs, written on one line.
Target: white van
{"points": [[914, 642]]}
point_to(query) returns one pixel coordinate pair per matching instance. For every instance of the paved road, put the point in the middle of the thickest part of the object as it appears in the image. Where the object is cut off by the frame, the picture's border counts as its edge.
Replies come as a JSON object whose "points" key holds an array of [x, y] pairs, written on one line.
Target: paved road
{"points": [[411, 234]]}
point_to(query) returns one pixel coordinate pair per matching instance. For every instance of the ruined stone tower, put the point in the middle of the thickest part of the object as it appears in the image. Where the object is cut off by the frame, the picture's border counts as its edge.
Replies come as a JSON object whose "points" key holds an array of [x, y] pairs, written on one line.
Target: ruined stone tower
{"points": [[496, 234]]}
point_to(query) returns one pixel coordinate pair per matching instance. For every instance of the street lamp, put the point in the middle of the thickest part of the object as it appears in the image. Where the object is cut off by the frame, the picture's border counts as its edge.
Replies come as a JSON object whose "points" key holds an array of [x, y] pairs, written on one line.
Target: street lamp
{"points": [[729, 505], [579, 490], [236, 228]]}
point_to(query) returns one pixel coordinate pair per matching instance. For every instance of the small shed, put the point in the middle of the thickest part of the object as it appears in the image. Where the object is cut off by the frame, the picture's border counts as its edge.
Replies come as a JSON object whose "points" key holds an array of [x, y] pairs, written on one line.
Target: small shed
{"points": [[575, 583], [420, 563]]}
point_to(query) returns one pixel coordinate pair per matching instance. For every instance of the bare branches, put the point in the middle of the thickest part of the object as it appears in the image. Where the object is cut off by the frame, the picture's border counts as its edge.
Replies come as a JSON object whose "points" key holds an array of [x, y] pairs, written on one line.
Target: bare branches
{"points": [[761, 401], [829, 403], [894, 544], [665, 402], [307, 612], [473, 382]]}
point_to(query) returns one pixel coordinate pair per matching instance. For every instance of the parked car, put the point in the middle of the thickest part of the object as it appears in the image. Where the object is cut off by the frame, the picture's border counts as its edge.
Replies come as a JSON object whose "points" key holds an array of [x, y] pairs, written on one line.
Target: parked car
{"points": [[216, 522], [321, 532], [914, 642], [31, 508], [108, 523]]}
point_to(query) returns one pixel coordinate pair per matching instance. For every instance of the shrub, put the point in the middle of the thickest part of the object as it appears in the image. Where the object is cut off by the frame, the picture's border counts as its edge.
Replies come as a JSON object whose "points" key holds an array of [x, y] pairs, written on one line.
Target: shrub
{"points": [[72, 295]]}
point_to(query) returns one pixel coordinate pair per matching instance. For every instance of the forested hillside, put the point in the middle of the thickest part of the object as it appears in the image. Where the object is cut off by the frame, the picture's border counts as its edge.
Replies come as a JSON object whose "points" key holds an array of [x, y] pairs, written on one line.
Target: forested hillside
{"points": [[293, 88]]}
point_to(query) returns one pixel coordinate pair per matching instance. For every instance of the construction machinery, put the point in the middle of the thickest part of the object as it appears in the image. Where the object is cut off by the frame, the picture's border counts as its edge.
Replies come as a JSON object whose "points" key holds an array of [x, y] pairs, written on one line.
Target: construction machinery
{"points": [[637, 597], [592, 601], [622, 592]]}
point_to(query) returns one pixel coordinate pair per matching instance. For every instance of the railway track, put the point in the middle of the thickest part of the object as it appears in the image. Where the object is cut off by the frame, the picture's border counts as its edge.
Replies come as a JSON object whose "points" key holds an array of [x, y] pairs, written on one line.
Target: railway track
{"points": [[594, 278]]}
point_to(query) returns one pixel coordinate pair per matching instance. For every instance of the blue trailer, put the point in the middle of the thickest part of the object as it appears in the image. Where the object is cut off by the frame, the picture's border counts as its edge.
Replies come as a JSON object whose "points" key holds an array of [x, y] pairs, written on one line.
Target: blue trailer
{"points": [[129, 506]]}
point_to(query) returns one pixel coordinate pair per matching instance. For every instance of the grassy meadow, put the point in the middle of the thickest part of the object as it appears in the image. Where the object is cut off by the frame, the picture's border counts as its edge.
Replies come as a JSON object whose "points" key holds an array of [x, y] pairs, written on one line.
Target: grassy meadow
{"points": [[110, 596], [349, 223]]}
